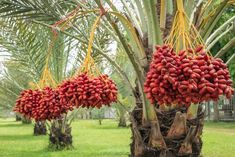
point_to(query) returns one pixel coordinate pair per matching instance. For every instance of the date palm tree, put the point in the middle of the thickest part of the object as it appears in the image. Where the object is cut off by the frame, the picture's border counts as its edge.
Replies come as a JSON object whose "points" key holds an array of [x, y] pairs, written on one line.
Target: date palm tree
{"points": [[27, 44], [137, 25]]}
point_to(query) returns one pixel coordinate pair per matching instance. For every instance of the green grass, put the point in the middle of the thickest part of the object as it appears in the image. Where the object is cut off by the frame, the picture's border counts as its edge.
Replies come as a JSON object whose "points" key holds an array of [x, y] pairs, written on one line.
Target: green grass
{"points": [[219, 140], [93, 140]]}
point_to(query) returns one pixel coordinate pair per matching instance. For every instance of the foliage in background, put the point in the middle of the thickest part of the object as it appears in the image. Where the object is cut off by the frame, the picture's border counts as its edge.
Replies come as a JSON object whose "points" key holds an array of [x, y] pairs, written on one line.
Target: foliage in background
{"points": [[228, 13]]}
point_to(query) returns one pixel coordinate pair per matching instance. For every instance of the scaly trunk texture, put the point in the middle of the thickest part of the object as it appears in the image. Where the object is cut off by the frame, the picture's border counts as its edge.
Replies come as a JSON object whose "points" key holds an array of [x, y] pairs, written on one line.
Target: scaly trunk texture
{"points": [[60, 136], [182, 137], [40, 128]]}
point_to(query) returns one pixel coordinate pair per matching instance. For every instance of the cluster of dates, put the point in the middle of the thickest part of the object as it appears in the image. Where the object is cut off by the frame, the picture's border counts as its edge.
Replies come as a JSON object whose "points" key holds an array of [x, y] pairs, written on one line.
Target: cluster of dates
{"points": [[80, 91], [27, 102], [85, 91], [41, 105], [189, 77], [49, 106]]}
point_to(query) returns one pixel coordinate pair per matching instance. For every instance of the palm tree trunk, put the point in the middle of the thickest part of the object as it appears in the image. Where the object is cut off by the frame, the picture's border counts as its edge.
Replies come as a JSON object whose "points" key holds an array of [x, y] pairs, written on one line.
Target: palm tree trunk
{"points": [[100, 121], [60, 137], [178, 142], [26, 120], [40, 128], [122, 121], [18, 118], [121, 115], [216, 112]]}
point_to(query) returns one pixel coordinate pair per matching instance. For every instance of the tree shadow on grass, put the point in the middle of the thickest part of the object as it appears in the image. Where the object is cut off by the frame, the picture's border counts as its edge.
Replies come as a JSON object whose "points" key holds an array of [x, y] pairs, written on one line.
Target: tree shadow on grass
{"points": [[14, 125], [67, 153], [24, 153], [102, 153], [81, 151], [18, 137], [107, 127], [106, 154]]}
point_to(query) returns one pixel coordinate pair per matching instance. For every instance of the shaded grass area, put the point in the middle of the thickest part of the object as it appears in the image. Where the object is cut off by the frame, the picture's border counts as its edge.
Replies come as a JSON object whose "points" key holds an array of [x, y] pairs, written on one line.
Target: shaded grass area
{"points": [[89, 140], [107, 140]]}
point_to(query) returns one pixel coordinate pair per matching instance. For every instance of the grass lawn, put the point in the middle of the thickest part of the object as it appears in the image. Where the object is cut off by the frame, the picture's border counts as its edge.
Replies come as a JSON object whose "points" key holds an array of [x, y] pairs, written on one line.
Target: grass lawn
{"points": [[93, 140]]}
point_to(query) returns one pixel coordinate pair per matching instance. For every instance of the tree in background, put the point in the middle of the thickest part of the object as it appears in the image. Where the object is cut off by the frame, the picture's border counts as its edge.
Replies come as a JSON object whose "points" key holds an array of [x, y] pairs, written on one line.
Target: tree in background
{"points": [[30, 50]]}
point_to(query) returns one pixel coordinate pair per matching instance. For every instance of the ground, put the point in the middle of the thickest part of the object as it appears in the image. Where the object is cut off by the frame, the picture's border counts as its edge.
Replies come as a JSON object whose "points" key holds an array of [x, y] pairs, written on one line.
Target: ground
{"points": [[106, 140]]}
